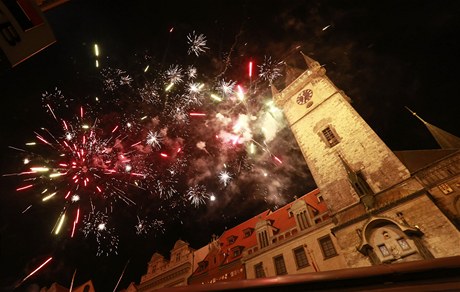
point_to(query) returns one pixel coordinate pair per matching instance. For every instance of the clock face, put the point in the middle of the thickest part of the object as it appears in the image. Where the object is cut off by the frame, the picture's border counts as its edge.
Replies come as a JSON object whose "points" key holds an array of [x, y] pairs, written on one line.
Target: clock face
{"points": [[304, 96]]}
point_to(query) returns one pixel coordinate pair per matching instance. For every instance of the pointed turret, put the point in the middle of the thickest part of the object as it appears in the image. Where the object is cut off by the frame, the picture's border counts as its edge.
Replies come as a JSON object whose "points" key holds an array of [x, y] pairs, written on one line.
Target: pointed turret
{"points": [[444, 139], [275, 90], [312, 64]]}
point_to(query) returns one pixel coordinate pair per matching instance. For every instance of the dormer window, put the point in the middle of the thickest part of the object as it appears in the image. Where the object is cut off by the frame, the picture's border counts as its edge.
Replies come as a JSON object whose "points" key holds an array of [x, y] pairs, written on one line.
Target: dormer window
{"points": [[202, 266], [236, 251], [300, 209], [265, 231], [247, 232], [231, 239], [263, 239], [177, 257]]}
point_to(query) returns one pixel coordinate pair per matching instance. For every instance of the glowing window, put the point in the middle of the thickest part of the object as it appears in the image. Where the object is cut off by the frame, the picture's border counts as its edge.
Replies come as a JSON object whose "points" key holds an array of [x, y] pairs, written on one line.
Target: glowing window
{"points": [[403, 244], [383, 249]]}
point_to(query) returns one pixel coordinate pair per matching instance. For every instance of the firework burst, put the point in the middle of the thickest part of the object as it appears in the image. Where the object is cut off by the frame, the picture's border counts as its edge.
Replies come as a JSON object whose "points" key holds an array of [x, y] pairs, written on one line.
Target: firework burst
{"points": [[163, 150], [270, 70], [96, 225], [197, 195], [225, 177], [197, 43]]}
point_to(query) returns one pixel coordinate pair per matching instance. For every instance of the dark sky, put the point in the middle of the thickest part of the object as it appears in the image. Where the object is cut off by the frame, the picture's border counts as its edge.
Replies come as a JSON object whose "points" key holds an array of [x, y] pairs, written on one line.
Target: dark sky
{"points": [[384, 55]]}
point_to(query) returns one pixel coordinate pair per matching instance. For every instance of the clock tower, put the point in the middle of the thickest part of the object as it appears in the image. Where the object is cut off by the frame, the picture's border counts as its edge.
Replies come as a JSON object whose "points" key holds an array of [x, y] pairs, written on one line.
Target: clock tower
{"points": [[348, 161]]}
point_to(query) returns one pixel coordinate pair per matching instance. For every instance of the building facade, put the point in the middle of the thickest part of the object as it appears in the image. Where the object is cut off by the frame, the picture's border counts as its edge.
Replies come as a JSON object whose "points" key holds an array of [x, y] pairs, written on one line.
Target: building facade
{"points": [[173, 272], [224, 259], [294, 239]]}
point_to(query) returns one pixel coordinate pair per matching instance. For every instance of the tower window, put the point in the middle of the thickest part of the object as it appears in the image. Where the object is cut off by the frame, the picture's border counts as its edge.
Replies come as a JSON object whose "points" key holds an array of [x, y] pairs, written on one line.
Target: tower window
{"points": [[330, 137]]}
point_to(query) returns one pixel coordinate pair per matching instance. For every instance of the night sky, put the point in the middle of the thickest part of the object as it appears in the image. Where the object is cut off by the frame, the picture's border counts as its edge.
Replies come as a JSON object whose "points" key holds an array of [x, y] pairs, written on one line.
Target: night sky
{"points": [[384, 56]]}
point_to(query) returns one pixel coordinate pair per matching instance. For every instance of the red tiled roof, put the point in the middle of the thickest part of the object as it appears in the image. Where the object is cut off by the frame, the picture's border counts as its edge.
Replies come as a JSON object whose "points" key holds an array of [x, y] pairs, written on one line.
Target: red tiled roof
{"points": [[241, 240], [280, 219], [224, 255]]}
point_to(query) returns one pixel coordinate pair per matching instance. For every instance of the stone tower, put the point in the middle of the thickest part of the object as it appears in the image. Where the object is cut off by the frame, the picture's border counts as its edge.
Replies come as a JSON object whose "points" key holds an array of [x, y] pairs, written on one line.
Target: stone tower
{"points": [[347, 159], [382, 213]]}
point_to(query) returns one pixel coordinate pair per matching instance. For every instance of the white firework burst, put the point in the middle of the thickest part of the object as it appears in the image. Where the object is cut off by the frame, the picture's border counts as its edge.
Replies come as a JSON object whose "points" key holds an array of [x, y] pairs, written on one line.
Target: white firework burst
{"points": [[225, 177], [174, 74], [125, 80], [149, 93], [226, 88], [178, 166], [154, 139], [197, 43], [197, 195], [96, 224], [192, 72], [166, 189], [54, 100], [270, 70], [114, 78], [194, 93], [143, 226], [195, 88]]}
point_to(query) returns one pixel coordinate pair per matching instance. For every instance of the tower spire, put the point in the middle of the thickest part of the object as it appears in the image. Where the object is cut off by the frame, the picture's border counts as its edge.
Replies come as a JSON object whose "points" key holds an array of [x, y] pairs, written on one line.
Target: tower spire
{"points": [[312, 64], [275, 90], [415, 114], [444, 139]]}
